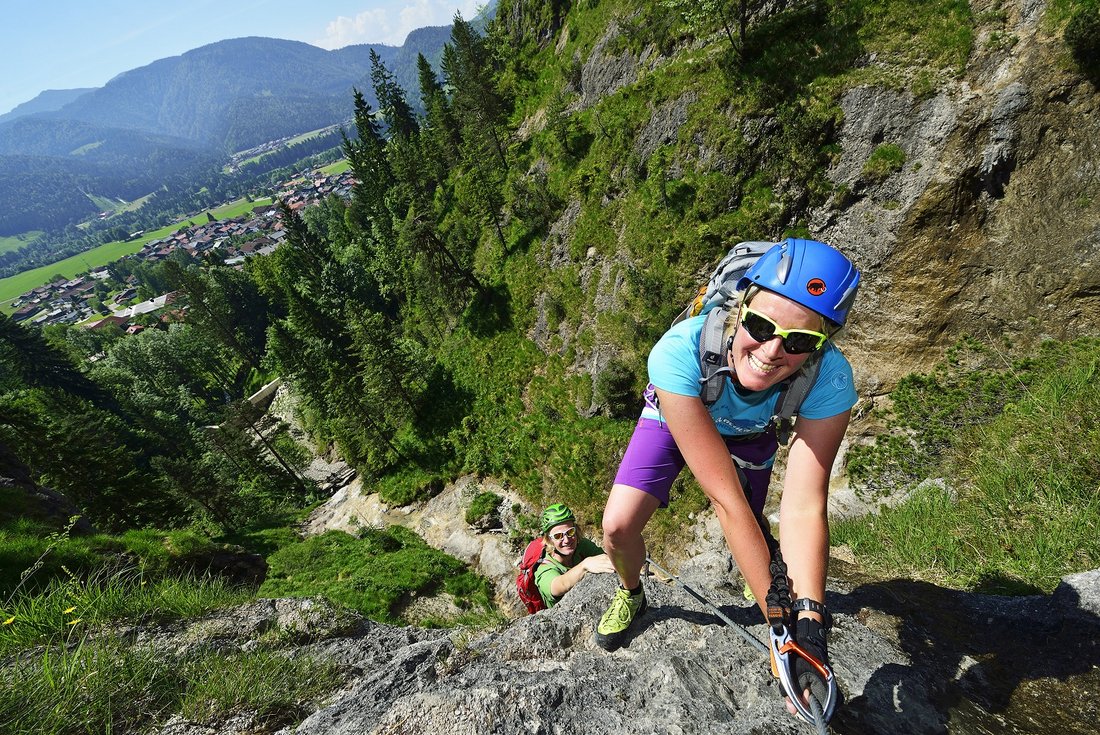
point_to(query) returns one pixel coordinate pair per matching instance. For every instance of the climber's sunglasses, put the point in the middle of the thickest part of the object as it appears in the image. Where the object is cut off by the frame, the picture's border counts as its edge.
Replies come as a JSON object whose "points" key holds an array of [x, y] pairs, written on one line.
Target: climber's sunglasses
{"points": [[795, 341], [562, 535]]}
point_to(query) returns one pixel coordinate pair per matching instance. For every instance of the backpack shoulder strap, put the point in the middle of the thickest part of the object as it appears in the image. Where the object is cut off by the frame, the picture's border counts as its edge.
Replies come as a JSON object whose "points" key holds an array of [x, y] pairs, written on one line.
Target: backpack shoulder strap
{"points": [[792, 395], [712, 356]]}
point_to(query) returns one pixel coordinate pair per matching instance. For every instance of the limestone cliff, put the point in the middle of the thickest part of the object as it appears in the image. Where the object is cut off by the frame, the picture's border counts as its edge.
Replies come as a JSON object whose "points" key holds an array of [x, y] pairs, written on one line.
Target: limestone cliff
{"points": [[991, 227]]}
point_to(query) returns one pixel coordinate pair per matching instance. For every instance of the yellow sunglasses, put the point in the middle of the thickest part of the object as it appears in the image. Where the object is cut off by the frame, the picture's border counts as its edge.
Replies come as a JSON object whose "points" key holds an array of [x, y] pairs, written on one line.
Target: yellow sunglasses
{"points": [[795, 341]]}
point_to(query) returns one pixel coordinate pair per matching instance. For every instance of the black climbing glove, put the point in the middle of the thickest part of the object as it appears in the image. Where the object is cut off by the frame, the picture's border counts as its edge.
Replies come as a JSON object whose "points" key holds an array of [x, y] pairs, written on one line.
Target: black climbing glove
{"points": [[810, 635]]}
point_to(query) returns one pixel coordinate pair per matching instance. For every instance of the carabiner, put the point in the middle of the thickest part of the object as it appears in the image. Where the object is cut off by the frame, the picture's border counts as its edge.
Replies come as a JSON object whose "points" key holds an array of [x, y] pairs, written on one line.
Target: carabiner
{"points": [[782, 646]]}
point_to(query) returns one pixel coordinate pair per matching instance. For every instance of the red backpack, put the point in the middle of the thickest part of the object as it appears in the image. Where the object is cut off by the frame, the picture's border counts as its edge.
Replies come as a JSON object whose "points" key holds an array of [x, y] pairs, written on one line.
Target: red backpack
{"points": [[525, 582]]}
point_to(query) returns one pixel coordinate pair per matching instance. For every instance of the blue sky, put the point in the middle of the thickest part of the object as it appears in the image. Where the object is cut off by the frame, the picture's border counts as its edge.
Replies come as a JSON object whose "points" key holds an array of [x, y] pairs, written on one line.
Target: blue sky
{"points": [[66, 44]]}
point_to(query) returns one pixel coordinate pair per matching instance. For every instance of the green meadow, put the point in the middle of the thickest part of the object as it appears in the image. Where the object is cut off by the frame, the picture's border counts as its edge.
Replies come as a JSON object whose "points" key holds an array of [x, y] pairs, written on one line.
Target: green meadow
{"points": [[338, 167], [14, 242], [14, 286], [237, 208]]}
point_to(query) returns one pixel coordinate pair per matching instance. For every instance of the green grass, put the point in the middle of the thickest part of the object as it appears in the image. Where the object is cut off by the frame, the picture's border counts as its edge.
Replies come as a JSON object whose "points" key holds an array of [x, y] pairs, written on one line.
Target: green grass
{"points": [[64, 672], [105, 204], [238, 207], [114, 206], [15, 242], [69, 606], [53, 554], [104, 686], [886, 159], [270, 534], [336, 167], [376, 574], [1018, 446]]}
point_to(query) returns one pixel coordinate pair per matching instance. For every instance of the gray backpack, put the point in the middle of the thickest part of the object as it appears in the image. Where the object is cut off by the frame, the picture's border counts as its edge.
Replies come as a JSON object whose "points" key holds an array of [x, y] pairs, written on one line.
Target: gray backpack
{"points": [[717, 298]]}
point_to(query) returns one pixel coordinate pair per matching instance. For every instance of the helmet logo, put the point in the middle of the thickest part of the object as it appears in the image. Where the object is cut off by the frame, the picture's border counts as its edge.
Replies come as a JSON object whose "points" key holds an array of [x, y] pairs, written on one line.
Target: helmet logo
{"points": [[816, 286]]}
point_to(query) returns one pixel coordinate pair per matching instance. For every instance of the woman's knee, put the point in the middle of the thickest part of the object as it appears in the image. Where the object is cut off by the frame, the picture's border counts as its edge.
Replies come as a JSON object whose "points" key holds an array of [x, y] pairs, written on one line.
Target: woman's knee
{"points": [[628, 510], [618, 529]]}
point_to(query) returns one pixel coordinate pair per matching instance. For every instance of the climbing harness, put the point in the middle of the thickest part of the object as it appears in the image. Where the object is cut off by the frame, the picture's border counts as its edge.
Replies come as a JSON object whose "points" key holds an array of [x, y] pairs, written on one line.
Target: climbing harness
{"points": [[784, 649], [714, 609]]}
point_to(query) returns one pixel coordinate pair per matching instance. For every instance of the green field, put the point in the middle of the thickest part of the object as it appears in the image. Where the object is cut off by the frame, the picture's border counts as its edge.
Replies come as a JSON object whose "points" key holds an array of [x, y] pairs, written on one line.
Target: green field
{"points": [[14, 242], [293, 141], [237, 208], [337, 167], [13, 286]]}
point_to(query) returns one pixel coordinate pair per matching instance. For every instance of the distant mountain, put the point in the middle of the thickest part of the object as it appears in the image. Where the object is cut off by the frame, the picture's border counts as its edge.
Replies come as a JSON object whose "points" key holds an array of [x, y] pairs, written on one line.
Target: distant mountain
{"points": [[183, 114], [231, 94], [48, 101], [49, 167]]}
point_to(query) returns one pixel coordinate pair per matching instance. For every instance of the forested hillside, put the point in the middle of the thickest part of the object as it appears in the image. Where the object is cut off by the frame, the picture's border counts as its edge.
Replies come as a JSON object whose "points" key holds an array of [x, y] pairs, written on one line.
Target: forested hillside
{"points": [[47, 101], [486, 301]]}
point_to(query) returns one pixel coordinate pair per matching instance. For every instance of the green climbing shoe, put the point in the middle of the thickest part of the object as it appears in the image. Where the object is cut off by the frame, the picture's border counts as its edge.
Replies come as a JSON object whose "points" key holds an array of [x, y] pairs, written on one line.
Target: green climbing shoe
{"points": [[615, 623]]}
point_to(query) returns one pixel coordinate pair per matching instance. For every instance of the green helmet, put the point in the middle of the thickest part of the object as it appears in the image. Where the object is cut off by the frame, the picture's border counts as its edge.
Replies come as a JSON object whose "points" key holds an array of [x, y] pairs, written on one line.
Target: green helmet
{"points": [[554, 515]]}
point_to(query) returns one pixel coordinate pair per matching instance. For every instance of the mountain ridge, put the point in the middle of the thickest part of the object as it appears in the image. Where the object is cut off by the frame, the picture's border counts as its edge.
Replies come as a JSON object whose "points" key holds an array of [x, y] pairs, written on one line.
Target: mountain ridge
{"points": [[47, 100], [182, 115]]}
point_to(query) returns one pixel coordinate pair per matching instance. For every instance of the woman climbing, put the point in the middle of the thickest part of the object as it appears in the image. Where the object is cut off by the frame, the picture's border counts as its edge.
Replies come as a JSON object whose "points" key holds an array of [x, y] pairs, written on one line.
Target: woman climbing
{"points": [[792, 300]]}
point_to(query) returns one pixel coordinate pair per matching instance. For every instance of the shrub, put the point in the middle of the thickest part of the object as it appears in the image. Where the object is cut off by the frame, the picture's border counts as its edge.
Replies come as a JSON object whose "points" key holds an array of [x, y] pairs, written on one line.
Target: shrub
{"points": [[374, 574], [409, 486], [484, 510], [886, 159], [615, 389], [1082, 35]]}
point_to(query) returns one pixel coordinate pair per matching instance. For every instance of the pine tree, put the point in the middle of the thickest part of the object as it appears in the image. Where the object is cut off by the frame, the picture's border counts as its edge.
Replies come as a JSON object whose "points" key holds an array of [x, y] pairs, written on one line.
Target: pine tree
{"points": [[400, 122]]}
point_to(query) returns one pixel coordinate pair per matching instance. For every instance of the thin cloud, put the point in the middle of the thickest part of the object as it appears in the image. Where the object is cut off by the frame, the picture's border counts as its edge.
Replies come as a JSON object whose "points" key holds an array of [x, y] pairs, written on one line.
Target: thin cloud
{"points": [[392, 27]]}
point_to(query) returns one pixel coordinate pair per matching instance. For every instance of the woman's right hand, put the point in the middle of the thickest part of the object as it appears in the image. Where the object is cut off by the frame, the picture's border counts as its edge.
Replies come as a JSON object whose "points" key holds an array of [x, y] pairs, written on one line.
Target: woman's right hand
{"points": [[599, 564]]}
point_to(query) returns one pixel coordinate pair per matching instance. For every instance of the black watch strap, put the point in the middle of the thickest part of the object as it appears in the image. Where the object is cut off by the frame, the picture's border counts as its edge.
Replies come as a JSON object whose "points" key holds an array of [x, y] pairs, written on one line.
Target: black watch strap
{"points": [[805, 603]]}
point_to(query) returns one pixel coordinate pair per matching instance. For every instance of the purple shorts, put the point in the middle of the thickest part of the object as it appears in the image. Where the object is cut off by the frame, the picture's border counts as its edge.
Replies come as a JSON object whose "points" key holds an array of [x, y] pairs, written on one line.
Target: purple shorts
{"points": [[652, 461]]}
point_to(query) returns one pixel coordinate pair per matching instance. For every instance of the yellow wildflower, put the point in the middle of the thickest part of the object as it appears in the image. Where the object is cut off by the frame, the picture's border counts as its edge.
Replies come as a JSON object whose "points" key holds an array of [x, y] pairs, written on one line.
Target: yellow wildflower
{"points": [[75, 621], [10, 620], [66, 612]]}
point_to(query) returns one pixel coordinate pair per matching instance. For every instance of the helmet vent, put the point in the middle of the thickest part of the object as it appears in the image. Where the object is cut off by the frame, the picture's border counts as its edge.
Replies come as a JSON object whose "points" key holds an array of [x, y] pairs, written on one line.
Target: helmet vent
{"points": [[783, 267]]}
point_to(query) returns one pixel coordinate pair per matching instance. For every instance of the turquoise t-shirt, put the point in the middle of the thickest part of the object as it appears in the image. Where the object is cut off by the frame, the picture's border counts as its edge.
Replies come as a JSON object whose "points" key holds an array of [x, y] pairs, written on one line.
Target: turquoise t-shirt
{"points": [[550, 568], [674, 367]]}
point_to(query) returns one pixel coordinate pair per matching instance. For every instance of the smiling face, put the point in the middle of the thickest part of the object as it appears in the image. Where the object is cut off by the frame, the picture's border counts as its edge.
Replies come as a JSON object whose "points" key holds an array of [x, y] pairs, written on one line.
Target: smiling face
{"points": [[760, 365], [563, 539]]}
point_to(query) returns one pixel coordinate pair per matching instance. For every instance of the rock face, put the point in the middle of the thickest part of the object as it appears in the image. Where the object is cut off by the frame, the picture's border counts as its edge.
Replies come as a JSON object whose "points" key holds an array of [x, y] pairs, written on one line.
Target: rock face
{"points": [[986, 229], [909, 657], [441, 522]]}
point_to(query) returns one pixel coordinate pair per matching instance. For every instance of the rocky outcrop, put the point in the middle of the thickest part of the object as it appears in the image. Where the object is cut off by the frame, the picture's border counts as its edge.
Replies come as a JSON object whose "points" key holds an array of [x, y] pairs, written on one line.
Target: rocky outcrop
{"points": [[987, 229], [441, 522], [910, 658]]}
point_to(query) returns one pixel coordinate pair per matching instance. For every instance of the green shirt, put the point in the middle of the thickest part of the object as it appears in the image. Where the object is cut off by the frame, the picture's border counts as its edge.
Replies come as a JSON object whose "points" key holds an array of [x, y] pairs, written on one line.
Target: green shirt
{"points": [[550, 568]]}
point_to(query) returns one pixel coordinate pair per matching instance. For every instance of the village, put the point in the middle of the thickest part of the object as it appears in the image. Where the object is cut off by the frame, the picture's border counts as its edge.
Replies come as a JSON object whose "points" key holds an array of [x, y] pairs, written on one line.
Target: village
{"points": [[232, 240]]}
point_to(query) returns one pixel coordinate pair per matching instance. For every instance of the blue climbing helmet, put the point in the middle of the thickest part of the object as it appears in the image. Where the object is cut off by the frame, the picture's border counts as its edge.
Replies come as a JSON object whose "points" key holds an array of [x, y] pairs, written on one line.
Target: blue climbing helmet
{"points": [[808, 272]]}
